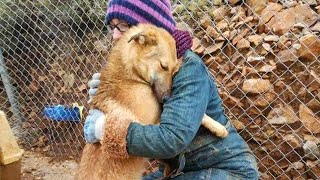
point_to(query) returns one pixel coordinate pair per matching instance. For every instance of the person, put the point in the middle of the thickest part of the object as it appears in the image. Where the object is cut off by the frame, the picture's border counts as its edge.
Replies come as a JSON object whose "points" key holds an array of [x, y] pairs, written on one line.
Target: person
{"points": [[180, 141]]}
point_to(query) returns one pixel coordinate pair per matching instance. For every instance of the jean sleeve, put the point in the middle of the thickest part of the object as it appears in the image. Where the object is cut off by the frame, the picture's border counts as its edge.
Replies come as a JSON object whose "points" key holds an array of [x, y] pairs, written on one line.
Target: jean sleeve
{"points": [[181, 117]]}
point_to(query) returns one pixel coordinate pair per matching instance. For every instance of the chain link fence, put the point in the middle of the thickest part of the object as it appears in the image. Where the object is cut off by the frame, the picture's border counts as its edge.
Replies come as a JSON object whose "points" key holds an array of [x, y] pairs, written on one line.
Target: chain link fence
{"points": [[264, 55]]}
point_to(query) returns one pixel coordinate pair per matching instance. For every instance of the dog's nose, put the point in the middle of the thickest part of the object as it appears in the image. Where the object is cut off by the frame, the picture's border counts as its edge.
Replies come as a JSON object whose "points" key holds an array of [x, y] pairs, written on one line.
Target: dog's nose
{"points": [[165, 97]]}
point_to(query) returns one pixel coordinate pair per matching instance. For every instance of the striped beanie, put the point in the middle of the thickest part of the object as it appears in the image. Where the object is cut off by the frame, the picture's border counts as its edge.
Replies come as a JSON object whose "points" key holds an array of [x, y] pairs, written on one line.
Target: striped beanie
{"points": [[156, 12]]}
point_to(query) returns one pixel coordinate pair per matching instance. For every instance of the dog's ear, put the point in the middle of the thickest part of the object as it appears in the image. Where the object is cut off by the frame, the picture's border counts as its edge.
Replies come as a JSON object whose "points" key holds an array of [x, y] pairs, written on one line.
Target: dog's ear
{"points": [[144, 39]]}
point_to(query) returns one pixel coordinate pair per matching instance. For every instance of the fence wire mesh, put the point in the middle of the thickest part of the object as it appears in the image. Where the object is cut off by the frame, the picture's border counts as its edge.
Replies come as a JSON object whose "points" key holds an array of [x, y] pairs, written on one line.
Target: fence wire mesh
{"points": [[264, 55]]}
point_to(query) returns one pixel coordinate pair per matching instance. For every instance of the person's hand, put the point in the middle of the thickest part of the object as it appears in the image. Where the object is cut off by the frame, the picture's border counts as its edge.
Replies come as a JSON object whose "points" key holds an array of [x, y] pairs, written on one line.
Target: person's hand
{"points": [[94, 126], [93, 85]]}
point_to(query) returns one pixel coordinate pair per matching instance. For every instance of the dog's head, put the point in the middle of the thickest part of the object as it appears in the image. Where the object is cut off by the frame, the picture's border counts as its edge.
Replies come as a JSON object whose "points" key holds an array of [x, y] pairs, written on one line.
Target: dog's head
{"points": [[152, 52]]}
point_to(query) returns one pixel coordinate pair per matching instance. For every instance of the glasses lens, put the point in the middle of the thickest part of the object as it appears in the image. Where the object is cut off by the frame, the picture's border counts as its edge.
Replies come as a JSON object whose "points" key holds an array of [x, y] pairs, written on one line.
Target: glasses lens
{"points": [[110, 28], [122, 27]]}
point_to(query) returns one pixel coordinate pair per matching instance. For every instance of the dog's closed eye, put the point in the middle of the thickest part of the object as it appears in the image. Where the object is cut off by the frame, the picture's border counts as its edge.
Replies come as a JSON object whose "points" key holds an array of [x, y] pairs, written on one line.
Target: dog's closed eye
{"points": [[164, 66]]}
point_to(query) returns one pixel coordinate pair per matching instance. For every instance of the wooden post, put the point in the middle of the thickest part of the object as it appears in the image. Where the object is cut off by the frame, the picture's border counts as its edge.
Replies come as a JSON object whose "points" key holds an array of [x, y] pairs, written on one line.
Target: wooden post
{"points": [[10, 153]]}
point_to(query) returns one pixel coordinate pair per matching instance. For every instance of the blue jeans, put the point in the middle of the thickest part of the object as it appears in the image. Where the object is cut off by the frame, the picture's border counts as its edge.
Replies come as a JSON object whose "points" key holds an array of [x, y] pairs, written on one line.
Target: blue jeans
{"points": [[228, 158]]}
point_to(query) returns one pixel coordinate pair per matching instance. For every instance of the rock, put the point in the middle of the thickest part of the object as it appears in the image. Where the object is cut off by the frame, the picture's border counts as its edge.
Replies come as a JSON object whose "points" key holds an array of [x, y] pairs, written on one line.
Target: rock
{"points": [[316, 27], [255, 39], [313, 169], [284, 43], [211, 31], [195, 43], [313, 104], [233, 2], [213, 48], [310, 2], [270, 11], [315, 85], [263, 100], [287, 57], [296, 171], [199, 50], [196, 46], [256, 86], [217, 2], [289, 3], [191, 6], [240, 14], [309, 119], [308, 137], [311, 150], [239, 36], [305, 14], [219, 14], [299, 25], [282, 21], [257, 5], [252, 59], [248, 19], [297, 165], [266, 175], [271, 38], [243, 44], [205, 22], [294, 141], [267, 47], [239, 24], [226, 35], [222, 25], [179, 8], [101, 46], [238, 124], [310, 47], [296, 46], [282, 115], [230, 100], [266, 68]]}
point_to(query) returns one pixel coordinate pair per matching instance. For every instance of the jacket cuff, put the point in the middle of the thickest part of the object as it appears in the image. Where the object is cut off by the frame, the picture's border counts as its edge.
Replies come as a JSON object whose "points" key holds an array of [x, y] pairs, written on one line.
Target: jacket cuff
{"points": [[114, 143]]}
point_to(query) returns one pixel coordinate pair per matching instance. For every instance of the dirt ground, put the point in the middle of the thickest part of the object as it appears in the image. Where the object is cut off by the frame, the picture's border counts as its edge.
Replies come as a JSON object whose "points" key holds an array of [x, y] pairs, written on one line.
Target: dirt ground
{"points": [[36, 166]]}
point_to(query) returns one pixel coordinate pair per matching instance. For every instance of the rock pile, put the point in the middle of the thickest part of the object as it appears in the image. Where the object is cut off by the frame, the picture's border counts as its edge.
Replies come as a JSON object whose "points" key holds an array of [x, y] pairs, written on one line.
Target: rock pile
{"points": [[264, 56]]}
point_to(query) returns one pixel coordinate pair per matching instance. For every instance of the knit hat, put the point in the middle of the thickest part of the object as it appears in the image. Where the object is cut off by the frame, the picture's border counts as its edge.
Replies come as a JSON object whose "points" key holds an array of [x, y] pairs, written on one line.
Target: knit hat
{"points": [[183, 41], [156, 12]]}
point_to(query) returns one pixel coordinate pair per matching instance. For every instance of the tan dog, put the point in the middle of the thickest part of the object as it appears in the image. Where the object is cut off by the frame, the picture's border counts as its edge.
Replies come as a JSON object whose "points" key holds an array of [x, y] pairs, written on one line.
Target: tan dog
{"points": [[138, 75]]}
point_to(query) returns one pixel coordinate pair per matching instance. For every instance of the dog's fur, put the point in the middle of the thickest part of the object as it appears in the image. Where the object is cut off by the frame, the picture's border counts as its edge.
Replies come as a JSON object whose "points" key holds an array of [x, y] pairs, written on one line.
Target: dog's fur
{"points": [[138, 75]]}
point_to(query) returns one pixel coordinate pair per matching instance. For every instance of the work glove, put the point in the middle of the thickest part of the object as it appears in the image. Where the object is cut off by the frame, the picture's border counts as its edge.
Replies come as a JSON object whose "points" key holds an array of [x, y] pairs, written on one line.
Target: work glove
{"points": [[93, 85], [94, 126], [94, 123]]}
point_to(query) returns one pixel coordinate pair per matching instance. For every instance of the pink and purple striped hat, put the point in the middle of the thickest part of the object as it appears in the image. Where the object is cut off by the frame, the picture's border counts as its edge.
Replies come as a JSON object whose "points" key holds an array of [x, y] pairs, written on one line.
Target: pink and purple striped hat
{"points": [[156, 12]]}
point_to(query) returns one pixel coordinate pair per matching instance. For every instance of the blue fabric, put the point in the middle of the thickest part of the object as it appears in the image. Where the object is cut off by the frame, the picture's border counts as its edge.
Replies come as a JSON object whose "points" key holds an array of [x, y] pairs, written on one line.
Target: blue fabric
{"points": [[194, 93]]}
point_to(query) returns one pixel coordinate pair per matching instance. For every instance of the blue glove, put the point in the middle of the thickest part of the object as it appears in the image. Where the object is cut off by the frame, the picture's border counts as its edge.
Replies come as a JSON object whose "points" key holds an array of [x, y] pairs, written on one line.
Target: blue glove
{"points": [[93, 85], [94, 126]]}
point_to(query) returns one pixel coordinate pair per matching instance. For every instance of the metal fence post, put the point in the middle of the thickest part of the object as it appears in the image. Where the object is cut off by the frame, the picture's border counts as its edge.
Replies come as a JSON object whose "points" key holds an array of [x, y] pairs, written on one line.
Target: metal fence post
{"points": [[10, 93]]}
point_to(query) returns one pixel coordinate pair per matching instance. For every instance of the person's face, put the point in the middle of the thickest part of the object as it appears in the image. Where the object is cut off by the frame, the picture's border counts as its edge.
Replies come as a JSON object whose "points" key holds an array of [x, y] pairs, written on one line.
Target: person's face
{"points": [[118, 27]]}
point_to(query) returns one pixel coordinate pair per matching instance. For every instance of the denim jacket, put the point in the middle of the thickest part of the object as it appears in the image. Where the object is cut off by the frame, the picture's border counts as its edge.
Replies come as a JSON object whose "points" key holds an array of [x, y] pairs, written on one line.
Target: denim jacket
{"points": [[194, 93]]}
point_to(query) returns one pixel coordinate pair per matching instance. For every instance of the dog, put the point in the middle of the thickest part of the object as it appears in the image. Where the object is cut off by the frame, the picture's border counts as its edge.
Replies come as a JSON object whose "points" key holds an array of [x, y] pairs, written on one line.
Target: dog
{"points": [[136, 78]]}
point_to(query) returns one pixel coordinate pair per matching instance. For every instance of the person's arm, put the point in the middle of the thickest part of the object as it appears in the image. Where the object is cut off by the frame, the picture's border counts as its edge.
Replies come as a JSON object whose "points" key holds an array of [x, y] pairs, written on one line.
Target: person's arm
{"points": [[180, 119]]}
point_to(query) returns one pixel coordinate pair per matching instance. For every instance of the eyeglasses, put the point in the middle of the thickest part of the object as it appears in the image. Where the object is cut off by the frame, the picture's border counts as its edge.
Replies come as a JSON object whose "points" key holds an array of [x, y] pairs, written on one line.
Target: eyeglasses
{"points": [[122, 27]]}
